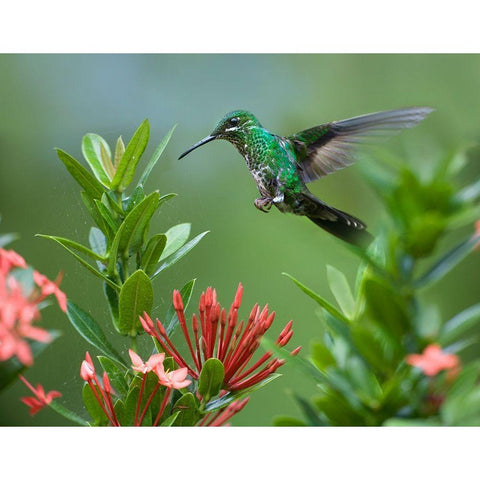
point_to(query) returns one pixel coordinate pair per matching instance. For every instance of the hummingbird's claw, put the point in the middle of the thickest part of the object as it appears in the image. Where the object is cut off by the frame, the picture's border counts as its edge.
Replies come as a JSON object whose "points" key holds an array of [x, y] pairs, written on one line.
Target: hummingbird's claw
{"points": [[263, 204]]}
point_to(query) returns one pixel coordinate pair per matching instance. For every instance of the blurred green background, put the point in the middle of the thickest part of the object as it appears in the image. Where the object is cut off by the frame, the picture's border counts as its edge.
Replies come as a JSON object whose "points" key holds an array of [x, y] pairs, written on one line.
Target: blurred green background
{"points": [[49, 101]]}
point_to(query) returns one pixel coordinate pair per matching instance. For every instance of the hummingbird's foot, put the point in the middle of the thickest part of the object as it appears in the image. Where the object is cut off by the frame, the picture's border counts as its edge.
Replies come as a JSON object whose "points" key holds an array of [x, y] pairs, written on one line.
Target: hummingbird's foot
{"points": [[263, 204]]}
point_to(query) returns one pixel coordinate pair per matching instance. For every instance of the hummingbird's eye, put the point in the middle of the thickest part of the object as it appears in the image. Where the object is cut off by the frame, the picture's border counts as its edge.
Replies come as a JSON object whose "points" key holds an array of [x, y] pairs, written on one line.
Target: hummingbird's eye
{"points": [[234, 121]]}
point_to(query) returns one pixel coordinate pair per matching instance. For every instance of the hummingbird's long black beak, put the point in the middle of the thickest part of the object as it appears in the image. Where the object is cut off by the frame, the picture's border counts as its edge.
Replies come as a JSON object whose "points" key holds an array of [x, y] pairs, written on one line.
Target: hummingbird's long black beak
{"points": [[198, 144]]}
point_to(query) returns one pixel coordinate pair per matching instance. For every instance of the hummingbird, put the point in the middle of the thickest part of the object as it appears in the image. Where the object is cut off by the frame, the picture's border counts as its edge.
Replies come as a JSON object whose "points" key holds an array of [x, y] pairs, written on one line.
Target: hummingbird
{"points": [[283, 166]]}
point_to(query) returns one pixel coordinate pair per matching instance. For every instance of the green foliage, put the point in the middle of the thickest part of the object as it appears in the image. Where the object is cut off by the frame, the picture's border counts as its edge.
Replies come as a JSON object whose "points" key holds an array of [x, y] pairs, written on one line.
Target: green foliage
{"points": [[121, 252], [211, 378], [360, 363]]}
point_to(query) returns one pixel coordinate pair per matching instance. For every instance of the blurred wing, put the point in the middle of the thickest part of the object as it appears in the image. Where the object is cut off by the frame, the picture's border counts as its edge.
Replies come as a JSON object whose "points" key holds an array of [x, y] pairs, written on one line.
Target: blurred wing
{"points": [[324, 149]]}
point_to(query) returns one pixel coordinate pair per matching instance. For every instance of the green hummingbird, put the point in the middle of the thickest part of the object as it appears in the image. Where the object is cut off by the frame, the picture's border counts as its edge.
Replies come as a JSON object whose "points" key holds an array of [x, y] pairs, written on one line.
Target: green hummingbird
{"points": [[282, 166]]}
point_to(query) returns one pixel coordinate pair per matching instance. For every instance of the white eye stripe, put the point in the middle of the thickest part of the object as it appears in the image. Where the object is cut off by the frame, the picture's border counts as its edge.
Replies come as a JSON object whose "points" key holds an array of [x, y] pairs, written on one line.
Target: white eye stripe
{"points": [[231, 129]]}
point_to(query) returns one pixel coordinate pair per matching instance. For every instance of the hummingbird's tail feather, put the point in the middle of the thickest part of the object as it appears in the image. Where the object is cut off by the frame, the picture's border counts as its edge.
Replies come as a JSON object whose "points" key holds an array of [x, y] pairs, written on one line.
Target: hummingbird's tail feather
{"points": [[338, 223]]}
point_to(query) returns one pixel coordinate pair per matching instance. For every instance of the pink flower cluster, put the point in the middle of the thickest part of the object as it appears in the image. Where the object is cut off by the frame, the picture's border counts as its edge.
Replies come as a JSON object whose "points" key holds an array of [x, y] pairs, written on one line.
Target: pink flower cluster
{"points": [[175, 379], [18, 311]]}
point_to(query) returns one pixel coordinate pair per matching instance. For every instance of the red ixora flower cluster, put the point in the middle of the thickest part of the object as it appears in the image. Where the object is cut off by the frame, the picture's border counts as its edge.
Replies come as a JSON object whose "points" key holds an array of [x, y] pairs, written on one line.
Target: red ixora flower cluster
{"points": [[18, 311], [175, 379], [218, 335]]}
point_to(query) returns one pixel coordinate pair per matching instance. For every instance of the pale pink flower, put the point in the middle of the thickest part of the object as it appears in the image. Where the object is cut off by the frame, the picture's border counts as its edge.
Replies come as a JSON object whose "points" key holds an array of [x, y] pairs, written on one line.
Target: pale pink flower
{"points": [[433, 360], [48, 288], [87, 370], [41, 399], [9, 259], [139, 366], [174, 379]]}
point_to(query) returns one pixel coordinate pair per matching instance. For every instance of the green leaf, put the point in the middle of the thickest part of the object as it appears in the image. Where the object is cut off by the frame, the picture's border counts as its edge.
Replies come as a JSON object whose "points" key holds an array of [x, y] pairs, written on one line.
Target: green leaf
{"points": [[309, 412], [169, 421], [447, 262], [68, 414], [152, 253], [171, 318], [156, 155], [83, 262], [7, 238], [136, 297], [285, 421], [98, 242], [93, 407], [386, 307], [119, 151], [188, 415], [97, 154], [106, 214], [10, 369], [341, 290], [412, 422], [128, 164], [84, 178], [321, 301], [230, 397], [211, 378], [91, 332], [131, 231], [67, 243], [115, 374], [176, 238], [95, 214], [321, 356], [135, 198], [460, 325], [181, 252]]}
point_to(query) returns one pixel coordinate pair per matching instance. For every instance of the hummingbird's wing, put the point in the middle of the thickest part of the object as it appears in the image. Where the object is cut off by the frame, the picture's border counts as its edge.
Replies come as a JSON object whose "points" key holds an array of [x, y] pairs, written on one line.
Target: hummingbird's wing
{"points": [[326, 148]]}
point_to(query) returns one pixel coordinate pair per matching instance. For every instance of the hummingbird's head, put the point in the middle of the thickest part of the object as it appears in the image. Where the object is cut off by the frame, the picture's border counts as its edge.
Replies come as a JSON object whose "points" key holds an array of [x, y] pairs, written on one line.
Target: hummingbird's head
{"points": [[233, 127]]}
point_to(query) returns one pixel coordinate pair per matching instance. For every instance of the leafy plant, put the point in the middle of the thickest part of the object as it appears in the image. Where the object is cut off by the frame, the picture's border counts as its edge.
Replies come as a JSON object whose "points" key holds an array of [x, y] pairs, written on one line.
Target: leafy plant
{"points": [[386, 357]]}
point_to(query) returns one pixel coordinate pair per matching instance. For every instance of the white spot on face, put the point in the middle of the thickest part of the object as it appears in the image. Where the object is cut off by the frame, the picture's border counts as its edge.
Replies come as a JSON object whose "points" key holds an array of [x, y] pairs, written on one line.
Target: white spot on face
{"points": [[231, 129]]}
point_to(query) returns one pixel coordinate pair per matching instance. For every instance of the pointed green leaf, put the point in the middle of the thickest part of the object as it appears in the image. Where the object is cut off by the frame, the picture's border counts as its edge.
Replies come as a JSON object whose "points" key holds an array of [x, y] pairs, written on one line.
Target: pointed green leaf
{"points": [[156, 155], [93, 407], [83, 262], [327, 306], [179, 254], [98, 242], [309, 412], [57, 407], [322, 358], [460, 325], [91, 332], [176, 238], [115, 374], [119, 151], [84, 178], [7, 238], [128, 164], [136, 297], [219, 403], [447, 262], [95, 214], [171, 318], [99, 161], [169, 421], [135, 198], [188, 415], [285, 421], [65, 242], [211, 378], [152, 252], [341, 290], [107, 215]]}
